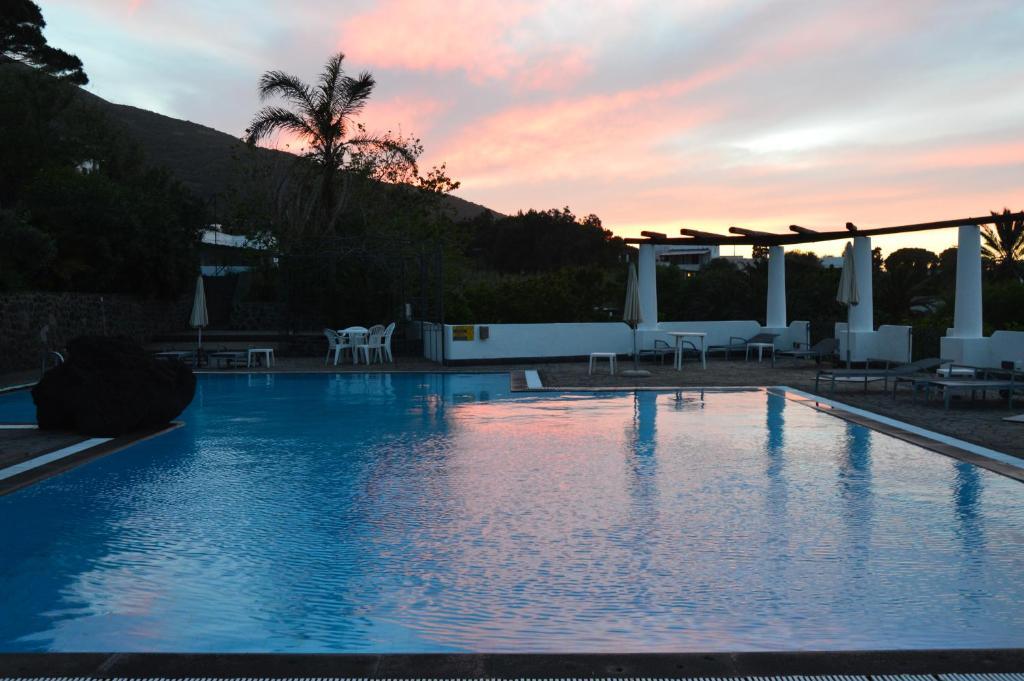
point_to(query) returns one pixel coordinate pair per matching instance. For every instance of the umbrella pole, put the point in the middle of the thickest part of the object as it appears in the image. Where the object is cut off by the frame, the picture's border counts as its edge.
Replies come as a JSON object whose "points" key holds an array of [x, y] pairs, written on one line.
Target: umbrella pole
{"points": [[847, 336], [636, 359]]}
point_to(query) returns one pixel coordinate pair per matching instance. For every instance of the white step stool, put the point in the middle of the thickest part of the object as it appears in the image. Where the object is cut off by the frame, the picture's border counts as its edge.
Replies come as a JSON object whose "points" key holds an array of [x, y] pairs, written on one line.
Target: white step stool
{"points": [[610, 356]]}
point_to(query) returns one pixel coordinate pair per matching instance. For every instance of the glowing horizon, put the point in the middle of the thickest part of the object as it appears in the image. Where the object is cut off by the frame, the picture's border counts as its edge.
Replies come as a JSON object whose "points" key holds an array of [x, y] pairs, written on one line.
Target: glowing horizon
{"points": [[650, 115]]}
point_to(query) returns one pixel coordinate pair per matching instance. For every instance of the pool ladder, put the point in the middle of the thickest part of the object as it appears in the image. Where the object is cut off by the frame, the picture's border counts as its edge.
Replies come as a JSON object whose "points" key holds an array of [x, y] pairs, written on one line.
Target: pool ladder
{"points": [[54, 356]]}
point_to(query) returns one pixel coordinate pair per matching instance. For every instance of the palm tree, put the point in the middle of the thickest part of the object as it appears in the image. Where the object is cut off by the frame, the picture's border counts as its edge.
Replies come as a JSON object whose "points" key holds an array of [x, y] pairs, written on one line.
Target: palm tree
{"points": [[323, 115], [1004, 244]]}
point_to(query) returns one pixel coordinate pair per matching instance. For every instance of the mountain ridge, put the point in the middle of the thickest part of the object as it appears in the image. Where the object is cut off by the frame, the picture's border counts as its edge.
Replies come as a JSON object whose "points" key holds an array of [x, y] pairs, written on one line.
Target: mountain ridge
{"points": [[202, 157]]}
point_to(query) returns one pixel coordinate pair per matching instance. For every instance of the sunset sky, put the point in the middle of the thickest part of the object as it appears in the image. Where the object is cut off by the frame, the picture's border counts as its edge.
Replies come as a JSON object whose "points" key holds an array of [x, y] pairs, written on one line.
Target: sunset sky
{"points": [[653, 115]]}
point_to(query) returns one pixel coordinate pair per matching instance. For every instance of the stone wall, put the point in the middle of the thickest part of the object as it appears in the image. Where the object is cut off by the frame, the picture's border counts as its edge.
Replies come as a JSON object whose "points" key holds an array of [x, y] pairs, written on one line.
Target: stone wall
{"points": [[24, 315]]}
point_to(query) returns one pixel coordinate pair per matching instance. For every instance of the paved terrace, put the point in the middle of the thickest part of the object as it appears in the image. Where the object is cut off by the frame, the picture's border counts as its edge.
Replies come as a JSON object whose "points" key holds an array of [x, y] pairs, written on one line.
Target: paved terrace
{"points": [[979, 422]]}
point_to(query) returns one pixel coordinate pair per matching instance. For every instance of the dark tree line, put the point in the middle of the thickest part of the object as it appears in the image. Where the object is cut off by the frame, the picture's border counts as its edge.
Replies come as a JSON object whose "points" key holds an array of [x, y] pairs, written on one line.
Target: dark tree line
{"points": [[80, 209]]}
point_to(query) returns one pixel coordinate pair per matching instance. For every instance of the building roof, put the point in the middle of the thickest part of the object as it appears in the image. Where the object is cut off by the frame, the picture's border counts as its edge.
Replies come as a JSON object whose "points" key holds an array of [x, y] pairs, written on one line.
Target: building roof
{"points": [[215, 237]]}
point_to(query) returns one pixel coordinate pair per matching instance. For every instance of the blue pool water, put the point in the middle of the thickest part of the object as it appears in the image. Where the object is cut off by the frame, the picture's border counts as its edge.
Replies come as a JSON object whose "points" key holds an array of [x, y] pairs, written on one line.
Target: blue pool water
{"points": [[416, 513]]}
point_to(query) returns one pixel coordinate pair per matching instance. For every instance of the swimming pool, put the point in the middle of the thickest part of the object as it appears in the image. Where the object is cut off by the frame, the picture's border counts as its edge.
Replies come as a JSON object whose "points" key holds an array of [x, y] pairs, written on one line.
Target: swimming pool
{"points": [[441, 512]]}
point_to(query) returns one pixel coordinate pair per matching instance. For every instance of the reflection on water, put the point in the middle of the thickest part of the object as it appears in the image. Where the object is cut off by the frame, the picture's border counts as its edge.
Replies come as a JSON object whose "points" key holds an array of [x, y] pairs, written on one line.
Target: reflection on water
{"points": [[425, 513], [967, 493]]}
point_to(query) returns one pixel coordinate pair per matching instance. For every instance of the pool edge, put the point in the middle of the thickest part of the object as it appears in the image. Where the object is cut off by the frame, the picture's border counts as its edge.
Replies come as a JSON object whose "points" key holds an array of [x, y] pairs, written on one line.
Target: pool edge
{"points": [[509, 666]]}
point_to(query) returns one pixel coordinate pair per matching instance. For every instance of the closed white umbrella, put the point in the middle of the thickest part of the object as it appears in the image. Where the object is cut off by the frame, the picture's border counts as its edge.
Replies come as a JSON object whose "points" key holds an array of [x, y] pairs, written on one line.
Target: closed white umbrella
{"points": [[199, 317], [631, 315], [847, 294]]}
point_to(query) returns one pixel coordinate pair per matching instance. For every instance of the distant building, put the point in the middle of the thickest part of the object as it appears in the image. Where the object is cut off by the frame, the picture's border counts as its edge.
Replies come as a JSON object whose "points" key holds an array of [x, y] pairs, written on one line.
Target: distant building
{"points": [[222, 254], [687, 258]]}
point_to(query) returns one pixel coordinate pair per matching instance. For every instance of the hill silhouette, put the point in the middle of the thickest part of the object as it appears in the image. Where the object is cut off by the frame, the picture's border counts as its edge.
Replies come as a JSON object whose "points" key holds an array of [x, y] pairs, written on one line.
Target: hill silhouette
{"points": [[203, 158]]}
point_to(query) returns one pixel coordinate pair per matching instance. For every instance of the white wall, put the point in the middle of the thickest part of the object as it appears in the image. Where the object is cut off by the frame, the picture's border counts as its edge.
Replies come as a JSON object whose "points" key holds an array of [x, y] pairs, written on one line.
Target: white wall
{"points": [[510, 341], [513, 341], [890, 342], [991, 352]]}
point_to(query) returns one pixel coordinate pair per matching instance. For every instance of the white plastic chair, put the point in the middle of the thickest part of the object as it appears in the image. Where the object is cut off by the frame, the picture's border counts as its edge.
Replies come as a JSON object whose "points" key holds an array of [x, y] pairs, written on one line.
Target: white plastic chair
{"points": [[388, 332], [334, 344], [374, 345]]}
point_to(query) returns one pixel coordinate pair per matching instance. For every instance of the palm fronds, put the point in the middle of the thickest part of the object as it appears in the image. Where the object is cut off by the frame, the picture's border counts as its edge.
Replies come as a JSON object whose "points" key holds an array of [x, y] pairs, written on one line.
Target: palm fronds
{"points": [[1003, 244]]}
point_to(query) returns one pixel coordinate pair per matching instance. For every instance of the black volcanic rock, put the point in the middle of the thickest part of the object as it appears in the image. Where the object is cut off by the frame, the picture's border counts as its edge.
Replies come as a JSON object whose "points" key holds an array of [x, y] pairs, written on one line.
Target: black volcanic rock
{"points": [[109, 387]]}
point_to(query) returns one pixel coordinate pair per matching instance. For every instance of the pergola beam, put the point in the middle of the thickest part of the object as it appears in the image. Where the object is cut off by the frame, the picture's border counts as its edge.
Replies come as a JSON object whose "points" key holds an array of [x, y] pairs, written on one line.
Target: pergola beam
{"points": [[805, 235], [697, 234], [748, 232], [799, 230]]}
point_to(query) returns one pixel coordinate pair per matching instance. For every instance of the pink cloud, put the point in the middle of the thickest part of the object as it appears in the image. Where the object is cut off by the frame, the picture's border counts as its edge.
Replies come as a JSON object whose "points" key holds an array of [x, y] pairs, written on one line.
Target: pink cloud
{"points": [[483, 40], [626, 134], [410, 115], [969, 156]]}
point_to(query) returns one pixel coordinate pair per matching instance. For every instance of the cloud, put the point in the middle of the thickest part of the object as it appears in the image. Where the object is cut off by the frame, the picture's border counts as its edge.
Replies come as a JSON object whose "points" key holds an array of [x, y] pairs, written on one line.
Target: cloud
{"points": [[627, 134], [485, 41], [408, 114], [647, 113]]}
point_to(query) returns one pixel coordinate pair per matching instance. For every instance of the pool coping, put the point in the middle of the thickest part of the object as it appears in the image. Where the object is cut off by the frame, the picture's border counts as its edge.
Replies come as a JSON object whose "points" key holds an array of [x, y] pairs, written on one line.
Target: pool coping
{"points": [[983, 457], [509, 666], [50, 463]]}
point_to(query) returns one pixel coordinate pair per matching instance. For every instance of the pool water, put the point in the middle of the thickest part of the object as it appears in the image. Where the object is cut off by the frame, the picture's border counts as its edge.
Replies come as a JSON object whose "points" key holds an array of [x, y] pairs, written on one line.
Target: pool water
{"points": [[426, 513]]}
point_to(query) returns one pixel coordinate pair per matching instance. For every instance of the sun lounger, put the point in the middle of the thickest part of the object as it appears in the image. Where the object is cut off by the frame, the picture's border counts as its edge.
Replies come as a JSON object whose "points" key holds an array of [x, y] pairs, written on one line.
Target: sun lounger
{"points": [[952, 386], [660, 350], [737, 344], [958, 378], [819, 351], [866, 376]]}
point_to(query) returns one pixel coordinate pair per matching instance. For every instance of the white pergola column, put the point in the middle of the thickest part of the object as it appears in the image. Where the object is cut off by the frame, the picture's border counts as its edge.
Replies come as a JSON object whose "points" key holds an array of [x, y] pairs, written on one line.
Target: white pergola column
{"points": [[648, 281], [967, 313], [862, 315], [775, 315]]}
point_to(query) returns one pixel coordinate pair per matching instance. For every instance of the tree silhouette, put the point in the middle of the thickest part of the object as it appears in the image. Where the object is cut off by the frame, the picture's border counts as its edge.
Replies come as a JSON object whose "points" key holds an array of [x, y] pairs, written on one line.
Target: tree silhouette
{"points": [[323, 115], [1003, 246], [22, 40]]}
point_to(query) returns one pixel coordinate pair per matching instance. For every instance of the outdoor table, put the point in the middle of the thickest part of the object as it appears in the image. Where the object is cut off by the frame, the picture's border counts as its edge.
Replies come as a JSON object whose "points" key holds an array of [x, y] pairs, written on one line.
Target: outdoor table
{"points": [[679, 336], [353, 336], [760, 350], [268, 355]]}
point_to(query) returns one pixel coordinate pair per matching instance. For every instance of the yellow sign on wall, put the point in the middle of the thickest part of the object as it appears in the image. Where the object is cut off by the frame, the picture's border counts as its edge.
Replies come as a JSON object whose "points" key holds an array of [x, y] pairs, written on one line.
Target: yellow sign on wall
{"points": [[463, 332]]}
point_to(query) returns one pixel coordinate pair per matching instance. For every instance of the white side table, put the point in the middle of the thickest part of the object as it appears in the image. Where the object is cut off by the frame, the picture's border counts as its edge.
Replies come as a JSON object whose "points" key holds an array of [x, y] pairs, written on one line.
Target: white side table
{"points": [[268, 356], [610, 356], [761, 347], [679, 336]]}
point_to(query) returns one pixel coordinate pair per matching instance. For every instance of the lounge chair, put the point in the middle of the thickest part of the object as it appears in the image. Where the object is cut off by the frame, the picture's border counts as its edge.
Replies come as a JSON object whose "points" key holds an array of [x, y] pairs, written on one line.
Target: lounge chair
{"points": [[980, 379], [659, 349], [819, 351], [899, 372], [737, 344]]}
